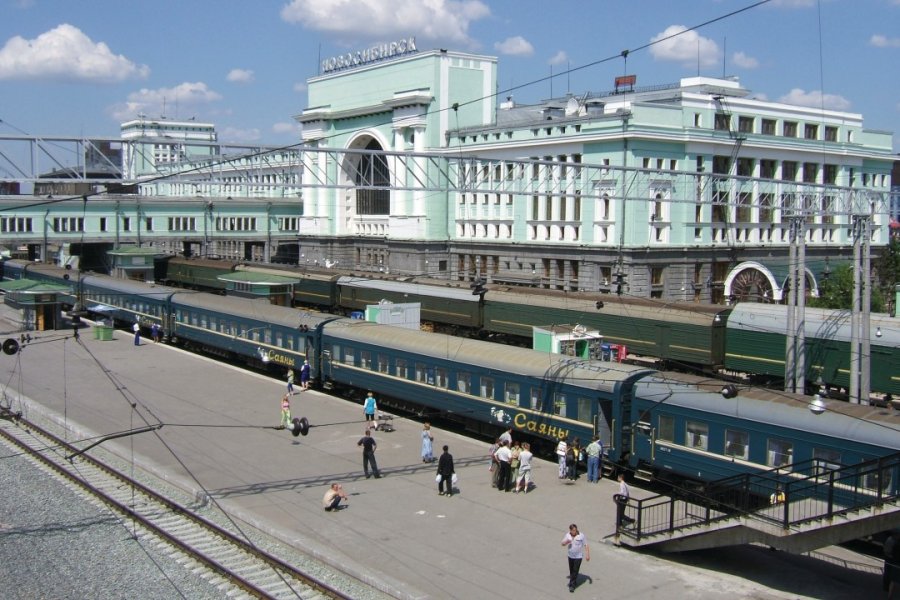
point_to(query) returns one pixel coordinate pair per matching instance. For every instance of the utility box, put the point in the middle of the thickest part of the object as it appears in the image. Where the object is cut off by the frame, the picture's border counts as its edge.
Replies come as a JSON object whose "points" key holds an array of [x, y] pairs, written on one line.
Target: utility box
{"points": [[570, 340], [407, 315]]}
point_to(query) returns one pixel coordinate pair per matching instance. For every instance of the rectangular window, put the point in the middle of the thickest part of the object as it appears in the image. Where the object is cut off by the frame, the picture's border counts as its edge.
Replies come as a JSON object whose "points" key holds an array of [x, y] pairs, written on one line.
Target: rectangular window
{"points": [[779, 453], [696, 435], [768, 127], [349, 356], [831, 134], [535, 396], [148, 224], [463, 382], [789, 129], [102, 223], [737, 444], [723, 122], [745, 124], [789, 170], [829, 174], [440, 378], [584, 409], [487, 388], [826, 460], [666, 431], [421, 374], [559, 404], [767, 168], [126, 223], [401, 369], [383, 364], [811, 131], [511, 393], [365, 359]]}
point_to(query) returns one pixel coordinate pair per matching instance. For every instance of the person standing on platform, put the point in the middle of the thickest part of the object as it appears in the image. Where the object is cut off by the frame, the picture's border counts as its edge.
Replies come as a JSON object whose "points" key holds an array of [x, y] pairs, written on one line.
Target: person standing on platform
{"points": [[445, 470], [494, 468], [154, 332], [137, 333], [594, 451], [290, 382], [285, 411], [504, 457], [369, 408], [304, 375], [368, 445], [506, 436], [577, 549], [621, 500], [427, 444], [561, 448], [333, 497], [524, 480]]}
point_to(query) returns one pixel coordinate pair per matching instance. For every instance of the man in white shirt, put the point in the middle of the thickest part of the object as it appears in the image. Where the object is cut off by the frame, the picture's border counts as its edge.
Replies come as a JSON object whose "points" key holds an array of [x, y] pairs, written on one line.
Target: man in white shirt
{"points": [[504, 456]]}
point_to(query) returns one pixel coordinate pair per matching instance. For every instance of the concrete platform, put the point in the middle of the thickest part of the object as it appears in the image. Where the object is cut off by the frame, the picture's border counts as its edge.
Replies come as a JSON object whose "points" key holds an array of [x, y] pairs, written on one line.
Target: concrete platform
{"points": [[397, 532]]}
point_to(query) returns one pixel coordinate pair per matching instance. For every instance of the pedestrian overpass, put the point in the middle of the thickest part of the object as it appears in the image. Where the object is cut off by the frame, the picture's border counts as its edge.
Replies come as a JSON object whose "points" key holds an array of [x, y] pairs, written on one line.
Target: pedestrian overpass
{"points": [[822, 506]]}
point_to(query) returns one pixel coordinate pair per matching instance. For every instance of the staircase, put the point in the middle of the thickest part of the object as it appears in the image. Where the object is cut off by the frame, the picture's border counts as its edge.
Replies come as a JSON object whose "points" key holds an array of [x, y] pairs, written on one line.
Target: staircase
{"points": [[821, 507]]}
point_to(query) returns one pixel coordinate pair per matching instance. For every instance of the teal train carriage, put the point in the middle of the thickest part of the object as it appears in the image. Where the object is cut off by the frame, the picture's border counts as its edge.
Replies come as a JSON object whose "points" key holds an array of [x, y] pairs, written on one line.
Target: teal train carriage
{"points": [[757, 338], [487, 387]]}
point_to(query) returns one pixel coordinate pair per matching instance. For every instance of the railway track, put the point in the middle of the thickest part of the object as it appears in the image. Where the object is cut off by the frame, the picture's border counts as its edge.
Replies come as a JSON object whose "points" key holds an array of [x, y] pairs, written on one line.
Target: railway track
{"points": [[241, 568]]}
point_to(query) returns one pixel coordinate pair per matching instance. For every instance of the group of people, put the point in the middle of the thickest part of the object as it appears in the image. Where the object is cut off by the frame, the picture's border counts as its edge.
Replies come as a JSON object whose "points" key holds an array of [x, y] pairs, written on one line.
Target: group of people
{"points": [[304, 378], [570, 455], [510, 464]]}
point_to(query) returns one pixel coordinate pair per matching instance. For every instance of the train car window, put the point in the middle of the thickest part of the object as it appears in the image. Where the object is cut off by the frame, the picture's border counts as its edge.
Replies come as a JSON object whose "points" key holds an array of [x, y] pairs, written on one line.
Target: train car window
{"points": [[666, 428], [421, 375], [535, 398], [278, 339], [697, 435], [826, 460], [585, 412], [869, 480], [402, 369], [267, 336], [559, 404], [511, 393], [441, 379], [487, 387], [349, 356], [336, 352], [365, 359], [779, 453], [383, 364], [214, 324], [195, 319], [737, 444], [463, 382]]}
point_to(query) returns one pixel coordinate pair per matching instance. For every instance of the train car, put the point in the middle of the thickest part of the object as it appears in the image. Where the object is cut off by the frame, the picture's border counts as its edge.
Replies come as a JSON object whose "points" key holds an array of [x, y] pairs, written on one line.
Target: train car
{"points": [[447, 309], [687, 427], [757, 337], [677, 334], [313, 289], [269, 337], [197, 273], [544, 397]]}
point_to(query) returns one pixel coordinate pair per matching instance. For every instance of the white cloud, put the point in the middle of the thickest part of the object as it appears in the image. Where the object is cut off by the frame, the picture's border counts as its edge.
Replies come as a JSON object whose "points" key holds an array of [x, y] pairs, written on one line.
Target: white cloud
{"points": [[685, 48], [65, 54], [300, 87], [815, 99], [240, 76], [560, 58], [744, 61], [235, 135], [284, 127], [355, 20], [182, 99], [514, 46], [881, 41]]}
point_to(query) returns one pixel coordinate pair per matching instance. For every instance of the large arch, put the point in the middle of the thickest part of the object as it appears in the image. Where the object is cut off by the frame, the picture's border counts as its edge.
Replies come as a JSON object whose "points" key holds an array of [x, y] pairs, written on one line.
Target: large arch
{"points": [[753, 281], [367, 173]]}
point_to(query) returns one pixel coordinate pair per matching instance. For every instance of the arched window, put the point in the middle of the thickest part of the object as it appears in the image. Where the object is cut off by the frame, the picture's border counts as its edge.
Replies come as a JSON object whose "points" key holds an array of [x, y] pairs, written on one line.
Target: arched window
{"points": [[373, 172]]}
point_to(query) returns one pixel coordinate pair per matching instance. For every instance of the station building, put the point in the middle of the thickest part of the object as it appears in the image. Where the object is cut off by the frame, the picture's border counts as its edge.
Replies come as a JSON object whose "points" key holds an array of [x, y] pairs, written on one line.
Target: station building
{"points": [[411, 164]]}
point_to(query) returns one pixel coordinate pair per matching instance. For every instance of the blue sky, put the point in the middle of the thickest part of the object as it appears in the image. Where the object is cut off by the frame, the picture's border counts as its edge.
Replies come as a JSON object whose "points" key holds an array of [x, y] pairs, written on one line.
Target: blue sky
{"points": [[79, 68]]}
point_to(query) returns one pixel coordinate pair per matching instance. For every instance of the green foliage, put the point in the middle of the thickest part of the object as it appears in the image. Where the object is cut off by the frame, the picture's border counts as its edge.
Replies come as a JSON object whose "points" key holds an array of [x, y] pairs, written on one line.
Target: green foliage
{"points": [[836, 292]]}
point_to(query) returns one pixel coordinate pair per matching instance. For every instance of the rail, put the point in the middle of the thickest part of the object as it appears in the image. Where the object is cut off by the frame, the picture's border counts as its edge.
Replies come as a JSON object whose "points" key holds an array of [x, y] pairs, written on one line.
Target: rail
{"points": [[786, 497]]}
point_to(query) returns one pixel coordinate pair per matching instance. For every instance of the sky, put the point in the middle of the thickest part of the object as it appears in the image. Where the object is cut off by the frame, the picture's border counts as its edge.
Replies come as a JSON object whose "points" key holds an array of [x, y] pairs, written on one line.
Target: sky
{"points": [[80, 68]]}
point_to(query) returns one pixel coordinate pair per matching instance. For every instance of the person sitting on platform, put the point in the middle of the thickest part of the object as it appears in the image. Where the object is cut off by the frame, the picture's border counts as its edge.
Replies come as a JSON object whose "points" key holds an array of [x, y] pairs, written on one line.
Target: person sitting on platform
{"points": [[333, 497]]}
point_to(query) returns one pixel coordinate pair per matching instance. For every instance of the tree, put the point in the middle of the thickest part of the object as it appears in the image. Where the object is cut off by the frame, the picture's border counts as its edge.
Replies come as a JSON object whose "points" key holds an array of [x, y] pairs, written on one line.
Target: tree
{"points": [[836, 292], [887, 268]]}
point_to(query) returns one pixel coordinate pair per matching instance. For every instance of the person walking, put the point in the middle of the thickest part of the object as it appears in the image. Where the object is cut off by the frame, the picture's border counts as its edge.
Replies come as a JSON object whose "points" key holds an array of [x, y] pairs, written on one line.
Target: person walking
{"points": [[285, 411], [290, 382], [621, 500], [594, 451], [561, 448], [137, 333], [369, 446], [369, 408], [524, 480], [578, 549], [445, 471], [304, 375], [427, 447], [334, 495]]}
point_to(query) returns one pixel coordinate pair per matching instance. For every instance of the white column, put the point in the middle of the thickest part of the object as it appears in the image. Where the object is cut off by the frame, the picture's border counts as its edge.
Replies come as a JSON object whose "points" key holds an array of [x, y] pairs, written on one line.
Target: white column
{"points": [[419, 147], [400, 198]]}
